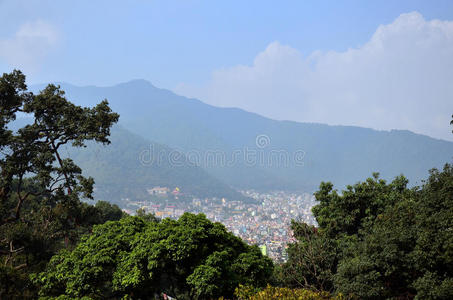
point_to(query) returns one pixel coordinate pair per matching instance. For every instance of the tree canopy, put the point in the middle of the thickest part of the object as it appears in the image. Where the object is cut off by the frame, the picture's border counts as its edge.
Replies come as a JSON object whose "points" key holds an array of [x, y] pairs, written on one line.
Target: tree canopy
{"points": [[40, 190], [188, 258], [378, 240]]}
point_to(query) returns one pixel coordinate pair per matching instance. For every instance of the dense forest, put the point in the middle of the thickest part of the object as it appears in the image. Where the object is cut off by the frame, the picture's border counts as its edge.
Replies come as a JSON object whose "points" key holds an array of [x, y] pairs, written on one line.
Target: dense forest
{"points": [[374, 240]]}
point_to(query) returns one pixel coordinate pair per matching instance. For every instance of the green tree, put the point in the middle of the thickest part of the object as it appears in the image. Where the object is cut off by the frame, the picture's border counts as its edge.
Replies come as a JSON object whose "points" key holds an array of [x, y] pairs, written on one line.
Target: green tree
{"points": [[40, 189], [408, 251], [311, 261], [89, 215], [379, 240], [380, 266], [188, 258], [108, 212], [356, 207], [433, 251], [343, 219], [149, 217]]}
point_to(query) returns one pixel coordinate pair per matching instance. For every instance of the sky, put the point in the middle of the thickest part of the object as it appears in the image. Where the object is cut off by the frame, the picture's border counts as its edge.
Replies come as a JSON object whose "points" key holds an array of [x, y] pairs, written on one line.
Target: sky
{"points": [[379, 64]]}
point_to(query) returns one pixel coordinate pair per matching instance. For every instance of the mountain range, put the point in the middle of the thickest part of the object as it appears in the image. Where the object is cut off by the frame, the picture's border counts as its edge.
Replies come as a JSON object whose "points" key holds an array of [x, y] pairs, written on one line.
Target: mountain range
{"points": [[225, 149]]}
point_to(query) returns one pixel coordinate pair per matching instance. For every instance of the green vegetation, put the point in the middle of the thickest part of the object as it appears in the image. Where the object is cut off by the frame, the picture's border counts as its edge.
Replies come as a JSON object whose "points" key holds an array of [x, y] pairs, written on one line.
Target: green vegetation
{"points": [[378, 240], [271, 293], [40, 210], [191, 258], [374, 240], [130, 165]]}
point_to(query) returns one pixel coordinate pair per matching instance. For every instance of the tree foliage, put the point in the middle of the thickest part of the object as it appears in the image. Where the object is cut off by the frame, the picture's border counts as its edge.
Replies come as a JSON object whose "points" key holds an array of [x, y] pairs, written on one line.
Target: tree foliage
{"points": [[312, 259], [342, 220], [188, 258], [408, 250], [381, 240], [40, 190], [274, 293]]}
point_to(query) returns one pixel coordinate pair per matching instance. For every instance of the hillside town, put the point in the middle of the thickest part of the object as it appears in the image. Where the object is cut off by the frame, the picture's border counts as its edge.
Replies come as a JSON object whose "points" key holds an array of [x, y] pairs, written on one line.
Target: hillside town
{"points": [[264, 222]]}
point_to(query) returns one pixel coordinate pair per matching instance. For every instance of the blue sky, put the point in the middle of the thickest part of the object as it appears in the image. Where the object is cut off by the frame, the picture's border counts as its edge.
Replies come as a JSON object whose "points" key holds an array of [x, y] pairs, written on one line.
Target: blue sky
{"points": [[191, 46], [169, 42]]}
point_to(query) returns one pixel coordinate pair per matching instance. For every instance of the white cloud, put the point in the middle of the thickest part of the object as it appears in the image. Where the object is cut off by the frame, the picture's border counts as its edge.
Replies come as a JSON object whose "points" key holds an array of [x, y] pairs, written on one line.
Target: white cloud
{"points": [[401, 78], [29, 46]]}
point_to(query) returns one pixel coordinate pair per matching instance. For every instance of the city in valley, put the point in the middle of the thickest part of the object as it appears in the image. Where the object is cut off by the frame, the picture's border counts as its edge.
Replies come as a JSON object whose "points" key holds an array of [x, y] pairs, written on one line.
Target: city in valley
{"points": [[264, 221]]}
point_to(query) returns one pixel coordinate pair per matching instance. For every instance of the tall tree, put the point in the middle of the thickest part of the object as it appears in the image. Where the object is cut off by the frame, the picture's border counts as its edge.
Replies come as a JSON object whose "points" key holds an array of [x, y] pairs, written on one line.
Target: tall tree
{"points": [[39, 188], [408, 251], [343, 220]]}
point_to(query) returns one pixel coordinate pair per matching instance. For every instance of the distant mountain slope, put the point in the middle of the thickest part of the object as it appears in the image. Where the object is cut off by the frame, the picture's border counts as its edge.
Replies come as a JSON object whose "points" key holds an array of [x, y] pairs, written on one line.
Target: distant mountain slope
{"points": [[132, 164], [341, 154]]}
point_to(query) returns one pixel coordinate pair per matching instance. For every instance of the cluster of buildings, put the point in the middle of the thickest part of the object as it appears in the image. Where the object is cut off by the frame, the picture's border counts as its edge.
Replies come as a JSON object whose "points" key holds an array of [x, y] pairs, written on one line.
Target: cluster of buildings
{"points": [[265, 222]]}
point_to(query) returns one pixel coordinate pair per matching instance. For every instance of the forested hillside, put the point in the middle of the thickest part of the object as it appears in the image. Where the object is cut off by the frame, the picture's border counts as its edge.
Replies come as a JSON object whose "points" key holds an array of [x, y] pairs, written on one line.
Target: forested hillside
{"points": [[311, 152], [131, 164]]}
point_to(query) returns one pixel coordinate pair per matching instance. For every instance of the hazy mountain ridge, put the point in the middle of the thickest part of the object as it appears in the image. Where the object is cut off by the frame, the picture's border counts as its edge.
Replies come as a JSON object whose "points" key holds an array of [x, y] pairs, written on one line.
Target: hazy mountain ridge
{"points": [[341, 154], [131, 164]]}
